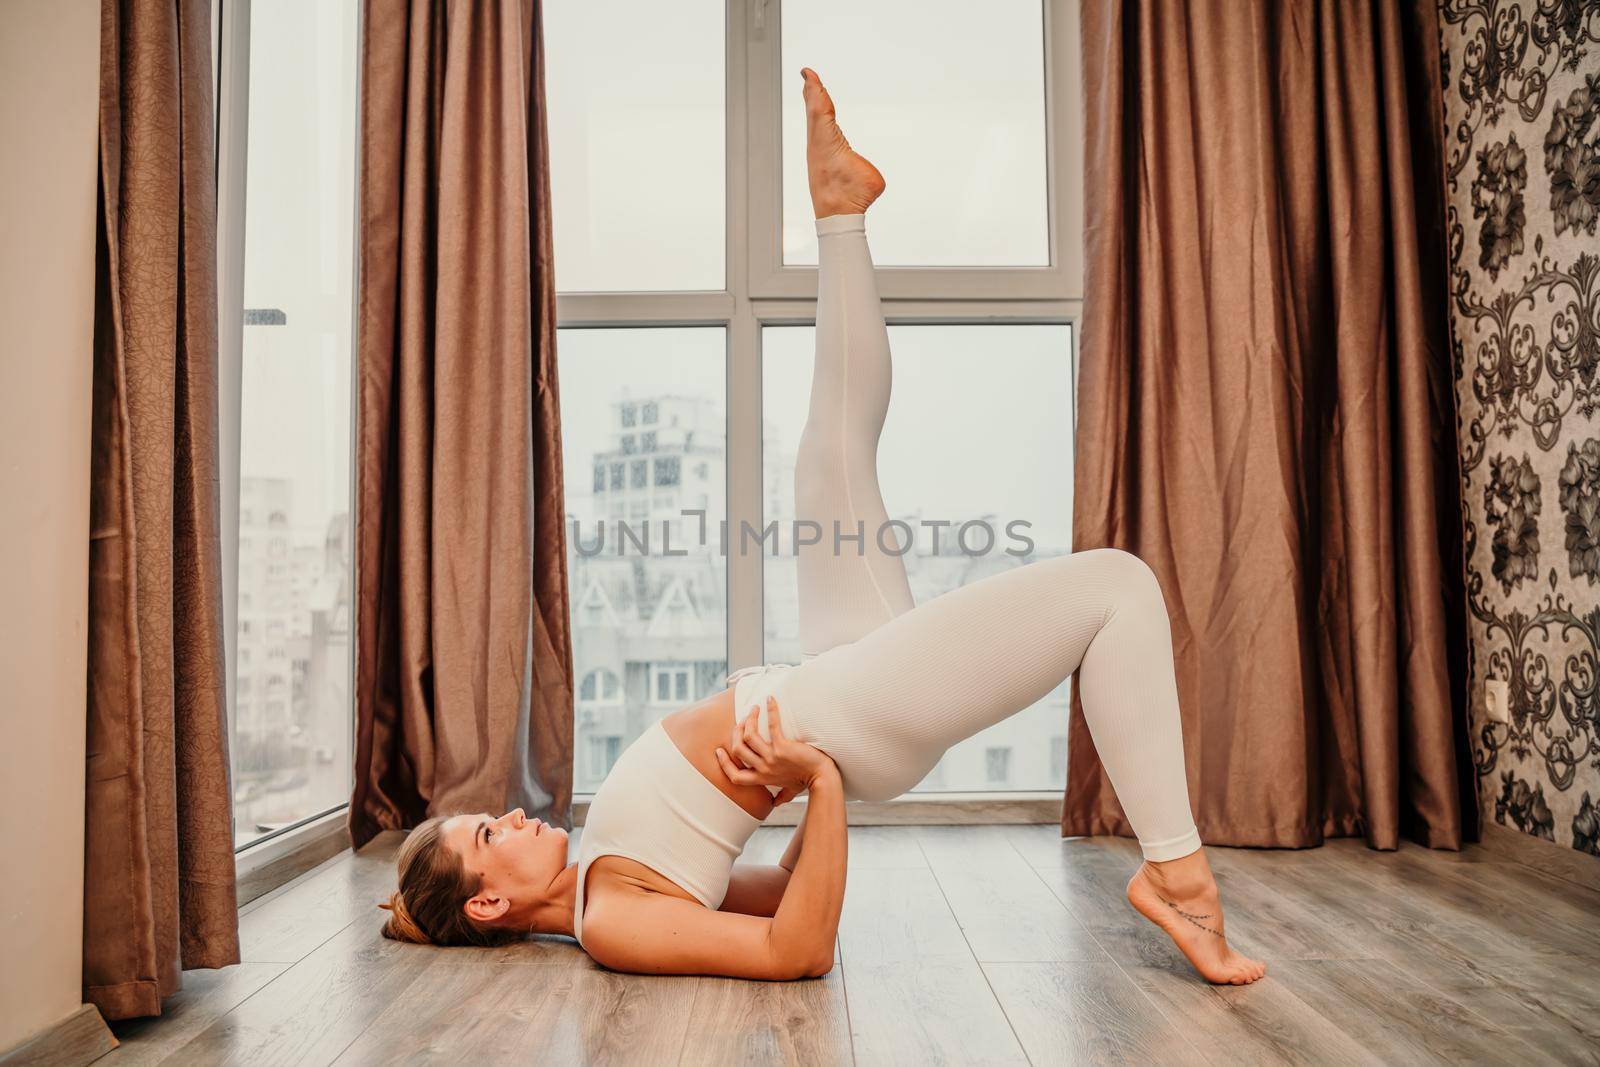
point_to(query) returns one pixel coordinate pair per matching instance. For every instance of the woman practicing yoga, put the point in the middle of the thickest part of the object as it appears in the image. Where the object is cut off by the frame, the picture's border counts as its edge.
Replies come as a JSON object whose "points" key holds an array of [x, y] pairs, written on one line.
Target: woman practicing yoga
{"points": [[886, 687]]}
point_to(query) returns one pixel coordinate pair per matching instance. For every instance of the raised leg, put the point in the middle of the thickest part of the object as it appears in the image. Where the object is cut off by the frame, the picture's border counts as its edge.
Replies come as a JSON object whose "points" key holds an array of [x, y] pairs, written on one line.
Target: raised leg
{"points": [[851, 578]]}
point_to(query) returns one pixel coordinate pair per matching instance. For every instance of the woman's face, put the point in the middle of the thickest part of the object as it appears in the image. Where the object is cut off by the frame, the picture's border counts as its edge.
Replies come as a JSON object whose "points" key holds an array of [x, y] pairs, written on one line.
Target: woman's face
{"points": [[516, 857]]}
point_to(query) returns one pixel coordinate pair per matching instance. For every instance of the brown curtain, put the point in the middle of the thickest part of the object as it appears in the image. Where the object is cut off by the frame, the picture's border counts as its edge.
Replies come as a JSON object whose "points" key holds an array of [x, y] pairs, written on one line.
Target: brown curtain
{"points": [[464, 655], [159, 874], [1265, 408]]}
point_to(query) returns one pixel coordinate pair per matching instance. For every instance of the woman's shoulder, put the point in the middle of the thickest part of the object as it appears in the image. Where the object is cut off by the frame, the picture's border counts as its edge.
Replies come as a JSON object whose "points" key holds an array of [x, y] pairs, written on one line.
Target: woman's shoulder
{"points": [[610, 875], [613, 880]]}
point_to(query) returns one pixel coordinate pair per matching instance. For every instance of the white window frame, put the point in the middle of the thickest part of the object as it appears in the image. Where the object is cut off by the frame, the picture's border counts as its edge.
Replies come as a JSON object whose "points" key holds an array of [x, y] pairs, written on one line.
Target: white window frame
{"points": [[761, 292]]}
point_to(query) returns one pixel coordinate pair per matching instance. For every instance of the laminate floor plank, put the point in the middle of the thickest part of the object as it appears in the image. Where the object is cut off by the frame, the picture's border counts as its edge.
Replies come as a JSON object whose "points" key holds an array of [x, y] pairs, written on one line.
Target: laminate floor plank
{"points": [[1397, 1018], [488, 1014], [311, 1012], [1586, 898], [870, 847], [1004, 909], [1550, 1003], [1042, 846], [1263, 1023], [1526, 903], [966, 848], [1085, 1013], [758, 1023], [916, 995], [1512, 902], [206, 996], [289, 926], [766, 845], [881, 848], [1092, 886], [341, 858], [597, 1016], [1380, 913]]}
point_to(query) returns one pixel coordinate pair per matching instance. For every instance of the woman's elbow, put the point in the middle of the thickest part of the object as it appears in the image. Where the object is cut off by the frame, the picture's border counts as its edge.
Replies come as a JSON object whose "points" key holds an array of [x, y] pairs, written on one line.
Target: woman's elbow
{"points": [[796, 966], [818, 965]]}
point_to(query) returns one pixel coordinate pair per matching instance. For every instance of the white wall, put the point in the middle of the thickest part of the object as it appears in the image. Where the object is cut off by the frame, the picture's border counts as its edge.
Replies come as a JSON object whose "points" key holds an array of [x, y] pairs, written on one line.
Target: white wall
{"points": [[49, 83]]}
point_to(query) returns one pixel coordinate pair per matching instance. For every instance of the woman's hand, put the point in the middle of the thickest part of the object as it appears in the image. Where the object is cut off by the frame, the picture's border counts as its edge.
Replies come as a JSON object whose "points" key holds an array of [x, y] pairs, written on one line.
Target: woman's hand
{"points": [[780, 761]]}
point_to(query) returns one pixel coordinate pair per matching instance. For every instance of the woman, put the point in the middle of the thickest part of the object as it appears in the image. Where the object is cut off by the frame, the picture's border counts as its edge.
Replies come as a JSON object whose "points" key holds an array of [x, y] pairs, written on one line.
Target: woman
{"points": [[884, 689]]}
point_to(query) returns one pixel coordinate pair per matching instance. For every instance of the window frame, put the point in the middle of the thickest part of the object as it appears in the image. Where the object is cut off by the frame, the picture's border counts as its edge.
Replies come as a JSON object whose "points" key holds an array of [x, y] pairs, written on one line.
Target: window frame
{"points": [[760, 291]]}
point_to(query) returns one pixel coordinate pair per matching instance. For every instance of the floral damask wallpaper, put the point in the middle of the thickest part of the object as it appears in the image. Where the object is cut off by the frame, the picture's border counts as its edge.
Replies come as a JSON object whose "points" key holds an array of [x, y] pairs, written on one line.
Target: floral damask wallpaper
{"points": [[1522, 177]]}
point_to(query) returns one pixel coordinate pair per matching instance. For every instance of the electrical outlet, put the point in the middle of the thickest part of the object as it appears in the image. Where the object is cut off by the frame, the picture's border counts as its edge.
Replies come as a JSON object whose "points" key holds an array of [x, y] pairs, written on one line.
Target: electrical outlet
{"points": [[1497, 700]]}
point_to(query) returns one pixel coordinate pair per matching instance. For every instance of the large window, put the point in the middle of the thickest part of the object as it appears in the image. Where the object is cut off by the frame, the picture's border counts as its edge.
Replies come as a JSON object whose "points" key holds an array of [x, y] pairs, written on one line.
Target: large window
{"points": [[976, 466], [288, 230], [685, 255]]}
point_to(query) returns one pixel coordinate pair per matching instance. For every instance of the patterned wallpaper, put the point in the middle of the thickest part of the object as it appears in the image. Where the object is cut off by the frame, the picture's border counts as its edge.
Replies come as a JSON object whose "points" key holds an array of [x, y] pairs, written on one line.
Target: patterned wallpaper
{"points": [[1522, 124]]}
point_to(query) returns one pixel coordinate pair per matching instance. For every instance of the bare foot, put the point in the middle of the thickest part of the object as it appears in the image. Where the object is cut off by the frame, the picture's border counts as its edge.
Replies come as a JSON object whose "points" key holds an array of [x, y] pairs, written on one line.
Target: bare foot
{"points": [[842, 181], [1184, 902]]}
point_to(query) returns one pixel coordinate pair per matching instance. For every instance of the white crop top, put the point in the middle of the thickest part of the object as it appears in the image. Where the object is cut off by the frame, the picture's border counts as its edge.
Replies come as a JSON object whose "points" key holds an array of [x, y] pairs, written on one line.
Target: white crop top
{"points": [[655, 807]]}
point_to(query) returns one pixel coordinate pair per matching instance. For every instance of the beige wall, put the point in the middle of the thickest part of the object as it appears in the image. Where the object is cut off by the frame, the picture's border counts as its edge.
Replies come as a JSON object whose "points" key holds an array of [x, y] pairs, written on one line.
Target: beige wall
{"points": [[49, 80]]}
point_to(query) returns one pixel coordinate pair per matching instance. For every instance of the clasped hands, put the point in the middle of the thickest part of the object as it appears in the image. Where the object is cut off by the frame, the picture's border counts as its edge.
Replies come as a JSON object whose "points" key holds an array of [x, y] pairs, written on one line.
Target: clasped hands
{"points": [[751, 759]]}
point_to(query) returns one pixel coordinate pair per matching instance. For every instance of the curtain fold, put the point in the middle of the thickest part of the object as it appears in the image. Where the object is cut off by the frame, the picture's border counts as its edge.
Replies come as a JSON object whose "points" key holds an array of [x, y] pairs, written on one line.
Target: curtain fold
{"points": [[463, 648], [1266, 412], [159, 871]]}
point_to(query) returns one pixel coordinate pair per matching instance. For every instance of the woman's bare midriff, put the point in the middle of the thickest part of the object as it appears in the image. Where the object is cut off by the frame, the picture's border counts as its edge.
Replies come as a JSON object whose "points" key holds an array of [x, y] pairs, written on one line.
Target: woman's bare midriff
{"points": [[698, 731]]}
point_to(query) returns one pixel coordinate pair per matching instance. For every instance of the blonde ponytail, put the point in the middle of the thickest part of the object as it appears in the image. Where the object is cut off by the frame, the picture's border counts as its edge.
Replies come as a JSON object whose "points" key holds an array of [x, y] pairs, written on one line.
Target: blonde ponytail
{"points": [[401, 926]]}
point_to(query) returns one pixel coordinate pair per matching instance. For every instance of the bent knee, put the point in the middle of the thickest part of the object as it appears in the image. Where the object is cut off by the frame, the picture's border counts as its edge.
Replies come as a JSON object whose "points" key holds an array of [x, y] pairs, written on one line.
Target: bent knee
{"points": [[1130, 578]]}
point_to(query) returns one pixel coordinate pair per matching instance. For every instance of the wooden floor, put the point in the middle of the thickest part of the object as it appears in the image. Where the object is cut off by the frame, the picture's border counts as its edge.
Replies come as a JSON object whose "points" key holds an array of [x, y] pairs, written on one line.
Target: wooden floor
{"points": [[960, 945]]}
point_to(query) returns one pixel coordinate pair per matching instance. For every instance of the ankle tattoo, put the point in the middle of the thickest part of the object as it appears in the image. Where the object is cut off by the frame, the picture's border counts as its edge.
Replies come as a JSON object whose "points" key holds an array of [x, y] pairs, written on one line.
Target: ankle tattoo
{"points": [[1193, 920]]}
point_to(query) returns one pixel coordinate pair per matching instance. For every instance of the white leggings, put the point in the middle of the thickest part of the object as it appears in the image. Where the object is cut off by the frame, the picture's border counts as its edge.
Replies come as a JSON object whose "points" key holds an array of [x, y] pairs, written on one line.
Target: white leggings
{"points": [[887, 687]]}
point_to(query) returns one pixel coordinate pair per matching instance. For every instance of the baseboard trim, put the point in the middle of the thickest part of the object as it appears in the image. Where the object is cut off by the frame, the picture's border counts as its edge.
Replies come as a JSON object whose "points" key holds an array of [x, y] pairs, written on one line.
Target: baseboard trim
{"points": [[950, 810], [80, 1038], [286, 858], [1568, 864]]}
